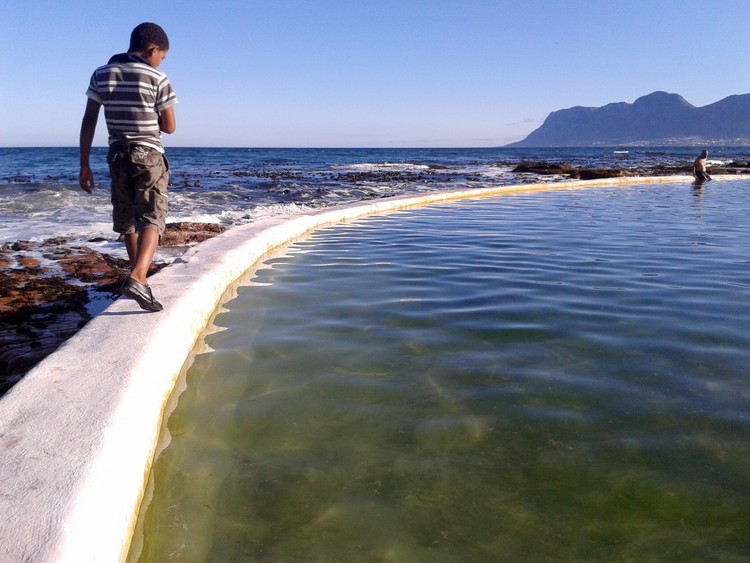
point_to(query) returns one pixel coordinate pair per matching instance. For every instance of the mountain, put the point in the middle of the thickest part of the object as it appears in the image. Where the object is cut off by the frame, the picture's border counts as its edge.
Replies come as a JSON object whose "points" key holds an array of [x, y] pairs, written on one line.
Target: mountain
{"points": [[659, 118]]}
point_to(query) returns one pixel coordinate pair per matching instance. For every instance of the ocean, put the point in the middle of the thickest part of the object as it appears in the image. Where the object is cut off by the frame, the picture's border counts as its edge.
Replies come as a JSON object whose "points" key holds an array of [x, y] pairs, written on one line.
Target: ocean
{"points": [[40, 197]]}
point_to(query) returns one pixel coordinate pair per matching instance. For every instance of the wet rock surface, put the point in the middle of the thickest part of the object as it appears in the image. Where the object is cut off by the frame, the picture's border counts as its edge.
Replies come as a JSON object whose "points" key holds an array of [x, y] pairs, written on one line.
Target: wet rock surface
{"points": [[47, 289], [557, 169], [185, 234], [544, 168]]}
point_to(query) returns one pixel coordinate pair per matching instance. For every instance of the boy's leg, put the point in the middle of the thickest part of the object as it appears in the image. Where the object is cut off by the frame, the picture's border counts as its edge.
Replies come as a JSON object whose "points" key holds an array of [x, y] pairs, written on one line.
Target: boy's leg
{"points": [[123, 205], [149, 174], [131, 245], [146, 243]]}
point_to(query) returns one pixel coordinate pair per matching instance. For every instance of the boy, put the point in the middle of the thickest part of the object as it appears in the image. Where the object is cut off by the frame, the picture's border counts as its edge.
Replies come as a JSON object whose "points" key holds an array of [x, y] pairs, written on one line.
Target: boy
{"points": [[138, 106], [699, 167]]}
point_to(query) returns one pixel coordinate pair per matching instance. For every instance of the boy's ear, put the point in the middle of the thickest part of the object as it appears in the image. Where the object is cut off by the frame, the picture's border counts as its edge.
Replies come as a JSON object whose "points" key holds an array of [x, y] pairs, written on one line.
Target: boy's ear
{"points": [[150, 50]]}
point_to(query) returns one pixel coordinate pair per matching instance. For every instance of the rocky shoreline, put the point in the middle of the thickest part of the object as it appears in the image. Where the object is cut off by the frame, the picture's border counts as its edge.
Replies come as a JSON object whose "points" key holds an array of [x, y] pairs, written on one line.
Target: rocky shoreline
{"points": [[562, 169], [47, 289]]}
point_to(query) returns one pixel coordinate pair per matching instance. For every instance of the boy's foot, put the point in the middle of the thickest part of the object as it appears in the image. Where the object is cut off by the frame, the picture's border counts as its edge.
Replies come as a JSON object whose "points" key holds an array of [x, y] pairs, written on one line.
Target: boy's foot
{"points": [[142, 294]]}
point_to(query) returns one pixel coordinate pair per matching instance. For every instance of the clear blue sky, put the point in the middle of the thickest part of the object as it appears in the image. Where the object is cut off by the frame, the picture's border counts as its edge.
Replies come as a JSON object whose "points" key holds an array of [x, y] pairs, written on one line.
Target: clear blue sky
{"points": [[360, 73]]}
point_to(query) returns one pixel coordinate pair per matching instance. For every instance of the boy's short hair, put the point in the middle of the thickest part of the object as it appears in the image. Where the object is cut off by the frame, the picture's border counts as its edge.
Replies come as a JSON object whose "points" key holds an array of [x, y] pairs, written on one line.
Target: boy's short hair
{"points": [[147, 34]]}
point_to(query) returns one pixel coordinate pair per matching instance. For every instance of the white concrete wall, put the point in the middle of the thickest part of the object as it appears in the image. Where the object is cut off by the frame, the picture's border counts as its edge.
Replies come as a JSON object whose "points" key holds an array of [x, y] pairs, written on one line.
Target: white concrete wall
{"points": [[78, 433]]}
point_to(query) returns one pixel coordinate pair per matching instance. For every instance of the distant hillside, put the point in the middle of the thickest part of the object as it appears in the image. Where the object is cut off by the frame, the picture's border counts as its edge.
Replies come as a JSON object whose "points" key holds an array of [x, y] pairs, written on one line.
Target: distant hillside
{"points": [[656, 119]]}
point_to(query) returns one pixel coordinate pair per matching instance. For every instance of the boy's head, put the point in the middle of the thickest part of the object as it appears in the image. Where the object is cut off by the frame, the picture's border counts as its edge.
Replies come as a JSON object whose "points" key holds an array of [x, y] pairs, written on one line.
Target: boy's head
{"points": [[148, 35]]}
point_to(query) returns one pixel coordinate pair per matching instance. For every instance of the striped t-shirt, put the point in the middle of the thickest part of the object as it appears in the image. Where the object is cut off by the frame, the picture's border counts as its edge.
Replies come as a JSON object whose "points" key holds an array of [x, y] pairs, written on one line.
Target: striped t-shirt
{"points": [[133, 95]]}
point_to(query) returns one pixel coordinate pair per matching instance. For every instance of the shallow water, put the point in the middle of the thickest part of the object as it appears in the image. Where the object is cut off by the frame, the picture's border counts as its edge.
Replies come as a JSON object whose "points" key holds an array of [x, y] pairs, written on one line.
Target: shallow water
{"points": [[561, 376]]}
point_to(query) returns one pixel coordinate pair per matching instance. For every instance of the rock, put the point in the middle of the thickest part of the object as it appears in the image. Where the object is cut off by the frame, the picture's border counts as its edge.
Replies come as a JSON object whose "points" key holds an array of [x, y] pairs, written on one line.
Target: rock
{"points": [[21, 245], [42, 304], [596, 173], [544, 168], [92, 268], [555, 169], [27, 261], [186, 233]]}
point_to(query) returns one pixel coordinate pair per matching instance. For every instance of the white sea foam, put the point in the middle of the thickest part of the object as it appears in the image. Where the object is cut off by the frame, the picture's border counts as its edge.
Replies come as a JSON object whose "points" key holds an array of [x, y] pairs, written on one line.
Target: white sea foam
{"points": [[383, 166], [239, 215], [199, 218], [39, 230], [262, 211]]}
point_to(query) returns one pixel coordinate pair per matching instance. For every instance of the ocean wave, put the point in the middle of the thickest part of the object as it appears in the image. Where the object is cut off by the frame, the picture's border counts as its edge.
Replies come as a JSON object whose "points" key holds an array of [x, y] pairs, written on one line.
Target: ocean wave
{"points": [[382, 166]]}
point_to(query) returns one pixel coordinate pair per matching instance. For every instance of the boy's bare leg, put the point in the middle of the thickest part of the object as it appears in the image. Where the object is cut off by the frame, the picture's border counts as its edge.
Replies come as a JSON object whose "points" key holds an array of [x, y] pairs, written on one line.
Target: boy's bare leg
{"points": [[145, 247], [131, 245]]}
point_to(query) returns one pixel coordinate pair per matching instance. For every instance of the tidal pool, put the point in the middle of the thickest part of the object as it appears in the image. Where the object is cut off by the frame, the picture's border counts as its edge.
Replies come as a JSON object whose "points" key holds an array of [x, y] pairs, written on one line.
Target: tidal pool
{"points": [[551, 376]]}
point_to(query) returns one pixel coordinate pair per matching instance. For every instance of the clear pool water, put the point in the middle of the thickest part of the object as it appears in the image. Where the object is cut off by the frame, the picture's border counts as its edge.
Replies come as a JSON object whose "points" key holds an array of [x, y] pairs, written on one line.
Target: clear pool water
{"points": [[551, 376]]}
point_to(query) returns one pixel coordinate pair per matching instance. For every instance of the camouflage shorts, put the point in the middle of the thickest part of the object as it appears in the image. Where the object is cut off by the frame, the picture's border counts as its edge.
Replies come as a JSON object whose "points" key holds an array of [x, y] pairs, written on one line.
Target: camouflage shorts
{"points": [[140, 176]]}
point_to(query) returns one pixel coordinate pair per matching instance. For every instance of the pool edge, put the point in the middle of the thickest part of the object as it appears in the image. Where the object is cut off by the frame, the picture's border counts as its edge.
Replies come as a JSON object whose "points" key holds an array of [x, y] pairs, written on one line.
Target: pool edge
{"points": [[78, 433]]}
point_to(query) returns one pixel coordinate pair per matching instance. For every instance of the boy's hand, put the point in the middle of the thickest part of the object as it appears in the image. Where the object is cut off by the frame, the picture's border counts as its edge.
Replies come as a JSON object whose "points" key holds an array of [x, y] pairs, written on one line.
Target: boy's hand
{"points": [[86, 179]]}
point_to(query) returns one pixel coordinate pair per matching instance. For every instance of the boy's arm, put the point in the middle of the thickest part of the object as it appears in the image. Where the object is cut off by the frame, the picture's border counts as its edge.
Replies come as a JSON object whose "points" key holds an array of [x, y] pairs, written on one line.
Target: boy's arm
{"points": [[88, 128], [167, 122]]}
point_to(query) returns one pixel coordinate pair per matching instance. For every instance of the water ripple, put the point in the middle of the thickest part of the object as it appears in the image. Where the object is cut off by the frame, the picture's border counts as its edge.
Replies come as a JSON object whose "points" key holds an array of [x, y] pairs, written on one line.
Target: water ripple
{"points": [[560, 376]]}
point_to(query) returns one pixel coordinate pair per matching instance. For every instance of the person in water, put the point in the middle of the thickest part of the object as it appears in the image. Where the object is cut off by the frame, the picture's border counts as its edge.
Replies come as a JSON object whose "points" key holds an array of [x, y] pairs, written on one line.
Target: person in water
{"points": [[138, 105], [699, 167]]}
